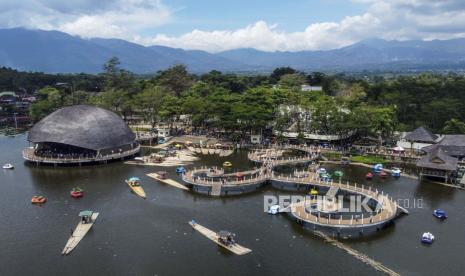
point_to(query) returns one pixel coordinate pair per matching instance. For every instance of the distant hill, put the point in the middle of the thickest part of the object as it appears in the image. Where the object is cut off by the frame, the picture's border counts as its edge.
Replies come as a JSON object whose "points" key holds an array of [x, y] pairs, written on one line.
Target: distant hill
{"points": [[372, 54], [58, 52]]}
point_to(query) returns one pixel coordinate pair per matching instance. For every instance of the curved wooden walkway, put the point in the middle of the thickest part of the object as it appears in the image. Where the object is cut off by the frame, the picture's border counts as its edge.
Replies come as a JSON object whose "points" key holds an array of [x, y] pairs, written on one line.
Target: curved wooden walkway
{"points": [[388, 210]]}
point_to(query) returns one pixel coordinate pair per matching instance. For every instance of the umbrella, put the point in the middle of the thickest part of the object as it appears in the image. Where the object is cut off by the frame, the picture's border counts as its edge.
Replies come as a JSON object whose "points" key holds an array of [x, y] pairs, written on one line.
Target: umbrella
{"points": [[218, 144], [178, 145], [398, 148]]}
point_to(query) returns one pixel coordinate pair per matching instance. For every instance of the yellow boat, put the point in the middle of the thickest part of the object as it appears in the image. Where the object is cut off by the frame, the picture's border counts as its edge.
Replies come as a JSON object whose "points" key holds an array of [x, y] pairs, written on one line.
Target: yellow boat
{"points": [[313, 192], [134, 184], [227, 164]]}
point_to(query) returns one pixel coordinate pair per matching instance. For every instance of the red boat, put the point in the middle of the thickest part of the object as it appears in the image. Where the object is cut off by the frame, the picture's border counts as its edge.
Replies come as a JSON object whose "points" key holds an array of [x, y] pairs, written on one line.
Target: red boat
{"points": [[77, 193], [383, 174], [369, 175]]}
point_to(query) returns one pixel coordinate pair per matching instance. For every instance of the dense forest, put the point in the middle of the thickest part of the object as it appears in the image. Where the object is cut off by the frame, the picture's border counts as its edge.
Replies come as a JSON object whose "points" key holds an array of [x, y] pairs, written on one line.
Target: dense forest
{"points": [[253, 103]]}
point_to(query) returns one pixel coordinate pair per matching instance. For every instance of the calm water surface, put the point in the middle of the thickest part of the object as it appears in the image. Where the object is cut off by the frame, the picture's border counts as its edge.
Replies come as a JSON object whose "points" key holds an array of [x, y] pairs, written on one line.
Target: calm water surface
{"points": [[151, 237]]}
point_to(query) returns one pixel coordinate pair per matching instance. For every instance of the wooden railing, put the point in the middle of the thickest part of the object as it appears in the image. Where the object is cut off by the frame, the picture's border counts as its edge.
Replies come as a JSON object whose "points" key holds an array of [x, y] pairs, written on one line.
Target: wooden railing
{"points": [[30, 155]]}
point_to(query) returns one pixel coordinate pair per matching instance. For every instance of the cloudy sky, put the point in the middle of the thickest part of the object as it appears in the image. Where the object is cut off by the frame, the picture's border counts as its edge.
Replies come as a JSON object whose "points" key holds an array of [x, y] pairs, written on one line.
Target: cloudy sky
{"points": [[269, 25]]}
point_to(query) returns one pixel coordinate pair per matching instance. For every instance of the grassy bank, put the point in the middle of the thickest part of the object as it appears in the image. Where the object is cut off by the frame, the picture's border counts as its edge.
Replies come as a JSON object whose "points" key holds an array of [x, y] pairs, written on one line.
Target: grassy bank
{"points": [[368, 159]]}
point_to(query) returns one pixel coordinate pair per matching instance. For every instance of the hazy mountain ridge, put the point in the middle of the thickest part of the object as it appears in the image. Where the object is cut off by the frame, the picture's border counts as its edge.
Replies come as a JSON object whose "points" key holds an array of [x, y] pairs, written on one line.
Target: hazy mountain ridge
{"points": [[57, 52]]}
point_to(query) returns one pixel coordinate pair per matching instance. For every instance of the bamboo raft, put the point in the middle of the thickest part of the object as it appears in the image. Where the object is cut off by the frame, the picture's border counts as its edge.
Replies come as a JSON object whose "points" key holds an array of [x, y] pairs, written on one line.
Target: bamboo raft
{"points": [[170, 182], [213, 236], [138, 190], [78, 234]]}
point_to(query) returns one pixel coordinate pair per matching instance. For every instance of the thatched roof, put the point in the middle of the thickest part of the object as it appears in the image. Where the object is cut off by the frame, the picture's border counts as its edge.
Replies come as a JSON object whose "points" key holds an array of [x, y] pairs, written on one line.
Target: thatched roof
{"points": [[437, 159], [451, 144], [83, 126], [421, 134]]}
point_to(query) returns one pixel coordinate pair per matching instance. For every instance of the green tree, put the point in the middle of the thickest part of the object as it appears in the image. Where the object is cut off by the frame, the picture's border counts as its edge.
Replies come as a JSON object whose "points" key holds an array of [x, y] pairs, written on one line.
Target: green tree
{"points": [[454, 126], [279, 72], [292, 81], [175, 79], [150, 101]]}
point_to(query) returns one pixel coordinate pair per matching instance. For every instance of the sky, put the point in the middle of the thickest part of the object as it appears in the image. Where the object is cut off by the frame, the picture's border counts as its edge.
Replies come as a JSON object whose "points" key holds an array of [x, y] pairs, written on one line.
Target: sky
{"points": [[268, 25]]}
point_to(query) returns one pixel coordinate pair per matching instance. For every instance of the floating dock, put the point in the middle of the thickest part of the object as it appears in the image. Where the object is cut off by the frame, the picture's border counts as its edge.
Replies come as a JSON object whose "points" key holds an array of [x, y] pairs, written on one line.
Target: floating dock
{"points": [[168, 181], [213, 236], [78, 234]]}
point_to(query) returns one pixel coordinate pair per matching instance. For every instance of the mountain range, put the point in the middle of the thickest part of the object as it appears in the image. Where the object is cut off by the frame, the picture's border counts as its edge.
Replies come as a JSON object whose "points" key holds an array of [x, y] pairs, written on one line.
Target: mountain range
{"points": [[58, 52]]}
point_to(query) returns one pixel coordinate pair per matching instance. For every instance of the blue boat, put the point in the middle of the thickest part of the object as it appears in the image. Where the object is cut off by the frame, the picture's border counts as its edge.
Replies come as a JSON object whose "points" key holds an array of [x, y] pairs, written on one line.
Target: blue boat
{"points": [[378, 167], [440, 214], [180, 170], [396, 172], [427, 238]]}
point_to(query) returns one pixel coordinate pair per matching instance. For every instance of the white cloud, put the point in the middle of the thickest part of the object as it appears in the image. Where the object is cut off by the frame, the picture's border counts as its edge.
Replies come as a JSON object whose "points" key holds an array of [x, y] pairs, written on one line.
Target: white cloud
{"points": [[388, 19], [86, 18], [133, 19]]}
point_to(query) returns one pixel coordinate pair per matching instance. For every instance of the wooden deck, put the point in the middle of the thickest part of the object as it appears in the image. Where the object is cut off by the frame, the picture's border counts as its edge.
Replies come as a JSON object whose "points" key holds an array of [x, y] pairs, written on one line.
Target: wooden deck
{"points": [[78, 234], [388, 210], [213, 236], [168, 181], [29, 155]]}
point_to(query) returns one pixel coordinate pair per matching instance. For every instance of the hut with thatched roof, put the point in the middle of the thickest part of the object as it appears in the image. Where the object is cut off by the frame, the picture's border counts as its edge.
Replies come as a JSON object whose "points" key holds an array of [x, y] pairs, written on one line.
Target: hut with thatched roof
{"points": [[437, 164]]}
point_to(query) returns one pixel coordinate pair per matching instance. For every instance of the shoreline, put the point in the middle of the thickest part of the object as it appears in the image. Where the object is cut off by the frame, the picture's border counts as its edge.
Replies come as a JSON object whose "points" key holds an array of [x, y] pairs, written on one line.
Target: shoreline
{"points": [[404, 175]]}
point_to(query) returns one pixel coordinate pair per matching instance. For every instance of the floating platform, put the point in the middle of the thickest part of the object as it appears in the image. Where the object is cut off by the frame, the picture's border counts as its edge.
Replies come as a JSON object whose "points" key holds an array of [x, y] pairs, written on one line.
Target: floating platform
{"points": [[213, 236], [168, 181], [78, 234]]}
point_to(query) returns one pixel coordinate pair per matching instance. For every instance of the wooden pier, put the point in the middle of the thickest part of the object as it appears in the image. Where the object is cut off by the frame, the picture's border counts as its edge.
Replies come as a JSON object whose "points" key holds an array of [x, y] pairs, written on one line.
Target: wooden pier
{"points": [[213, 236], [168, 181]]}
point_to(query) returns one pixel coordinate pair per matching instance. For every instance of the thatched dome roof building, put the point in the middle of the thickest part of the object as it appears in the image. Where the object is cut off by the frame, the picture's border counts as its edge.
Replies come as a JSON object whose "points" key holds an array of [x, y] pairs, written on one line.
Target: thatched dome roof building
{"points": [[81, 131]]}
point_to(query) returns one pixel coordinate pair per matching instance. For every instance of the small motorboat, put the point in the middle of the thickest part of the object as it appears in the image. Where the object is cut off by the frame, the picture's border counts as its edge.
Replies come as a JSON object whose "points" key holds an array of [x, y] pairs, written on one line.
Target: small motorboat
{"points": [[38, 200], [180, 170], [77, 192], [227, 164], [440, 214], [378, 167], [273, 210], [369, 175], [383, 174], [427, 238], [396, 172], [8, 166]]}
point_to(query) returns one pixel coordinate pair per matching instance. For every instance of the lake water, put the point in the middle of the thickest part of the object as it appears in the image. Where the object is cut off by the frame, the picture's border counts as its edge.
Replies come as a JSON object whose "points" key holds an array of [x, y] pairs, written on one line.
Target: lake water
{"points": [[151, 237]]}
